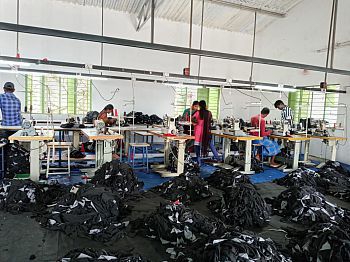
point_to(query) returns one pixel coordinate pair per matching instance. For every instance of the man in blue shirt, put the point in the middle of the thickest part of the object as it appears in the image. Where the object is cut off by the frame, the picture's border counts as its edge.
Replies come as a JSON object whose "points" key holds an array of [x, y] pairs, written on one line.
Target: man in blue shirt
{"points": [[10, 106]]}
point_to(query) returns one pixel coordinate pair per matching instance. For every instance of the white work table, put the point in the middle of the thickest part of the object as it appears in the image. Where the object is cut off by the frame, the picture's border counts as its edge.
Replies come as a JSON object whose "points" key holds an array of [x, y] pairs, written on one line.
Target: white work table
{"points": [[181, 140], [227, 138], [35, 163]]}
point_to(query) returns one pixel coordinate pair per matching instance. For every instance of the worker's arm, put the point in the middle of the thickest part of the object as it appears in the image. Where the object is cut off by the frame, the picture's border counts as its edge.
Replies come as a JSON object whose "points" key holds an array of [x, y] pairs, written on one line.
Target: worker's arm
{"points": [[263, 131]]}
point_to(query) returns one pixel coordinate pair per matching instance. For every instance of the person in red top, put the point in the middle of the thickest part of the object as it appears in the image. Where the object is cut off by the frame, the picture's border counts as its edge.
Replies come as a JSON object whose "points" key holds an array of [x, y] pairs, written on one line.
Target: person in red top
{"points": [[269, 148], [104, 115]]}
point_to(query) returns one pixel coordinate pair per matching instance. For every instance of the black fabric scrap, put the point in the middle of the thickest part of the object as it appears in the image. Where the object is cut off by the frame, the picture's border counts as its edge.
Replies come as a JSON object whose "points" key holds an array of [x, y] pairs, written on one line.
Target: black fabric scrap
{"points": [[88, 211], [178, 225], [305, 205], [337, 167], [17, 160], [224, 179], [119, 177], [241, 206], [322, 242], [89, 255], [186, 188]]}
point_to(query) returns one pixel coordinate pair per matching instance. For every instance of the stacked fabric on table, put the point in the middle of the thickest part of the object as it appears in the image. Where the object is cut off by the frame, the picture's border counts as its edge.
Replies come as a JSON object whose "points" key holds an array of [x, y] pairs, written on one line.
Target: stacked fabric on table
{"points": [[178, 225], [322, 242], [143, 119], [186, 188], [89, 255], [304, 205], [119, 177], [241, 205], [233, 246], [88, 211], [224, 179]]}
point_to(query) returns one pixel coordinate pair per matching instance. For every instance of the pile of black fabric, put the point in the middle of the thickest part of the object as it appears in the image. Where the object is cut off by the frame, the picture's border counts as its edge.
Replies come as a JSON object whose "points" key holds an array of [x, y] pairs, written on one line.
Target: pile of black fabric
{"points": [[178, 225], [189, 166], [322, 242], [119, 177], [88, 211], [90, 117], [337, 167], [224, 179], [305, 205], [186, 188], [300, 177], [89, 255], [17, 196], [233, 246], [144, 119], [17, 160], [241, 206]]}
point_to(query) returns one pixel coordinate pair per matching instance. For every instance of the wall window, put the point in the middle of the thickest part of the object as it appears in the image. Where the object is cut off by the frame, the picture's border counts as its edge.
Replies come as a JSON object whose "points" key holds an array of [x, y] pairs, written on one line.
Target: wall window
{"points": [[184, 96], [315, 105], [61, 95]]}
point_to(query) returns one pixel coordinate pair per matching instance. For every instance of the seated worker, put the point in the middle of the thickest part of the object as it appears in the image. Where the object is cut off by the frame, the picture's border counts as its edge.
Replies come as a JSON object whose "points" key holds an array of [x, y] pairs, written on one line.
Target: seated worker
{"points": [[270, 148], [186, 116], [287, 112], [104, 115]]}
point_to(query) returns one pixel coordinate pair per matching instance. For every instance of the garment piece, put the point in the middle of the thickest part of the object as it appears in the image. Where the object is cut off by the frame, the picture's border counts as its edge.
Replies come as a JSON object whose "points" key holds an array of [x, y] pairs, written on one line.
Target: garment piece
{"points": [[287, 114], [10, 107], [17, 159], [90, 117], [241, 205], [322, 242], [269, 147], [186, 188], [90, 255]]}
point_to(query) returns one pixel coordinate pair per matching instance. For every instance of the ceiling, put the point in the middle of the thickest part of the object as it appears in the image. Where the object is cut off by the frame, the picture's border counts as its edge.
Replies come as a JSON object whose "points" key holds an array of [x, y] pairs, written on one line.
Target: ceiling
{"points": [[230, 15]]}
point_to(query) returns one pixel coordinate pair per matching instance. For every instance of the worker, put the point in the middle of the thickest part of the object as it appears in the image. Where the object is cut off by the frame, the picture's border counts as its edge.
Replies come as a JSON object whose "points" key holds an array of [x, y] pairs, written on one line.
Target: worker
{"points": [[10, 107], [186, 116], [287, 112], [104, 115], [202, 120], [270, 148]]}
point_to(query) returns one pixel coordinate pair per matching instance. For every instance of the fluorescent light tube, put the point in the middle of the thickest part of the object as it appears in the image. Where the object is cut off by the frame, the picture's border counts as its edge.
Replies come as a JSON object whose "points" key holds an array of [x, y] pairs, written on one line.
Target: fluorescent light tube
{"points": [[276, 88], [14, 63]]}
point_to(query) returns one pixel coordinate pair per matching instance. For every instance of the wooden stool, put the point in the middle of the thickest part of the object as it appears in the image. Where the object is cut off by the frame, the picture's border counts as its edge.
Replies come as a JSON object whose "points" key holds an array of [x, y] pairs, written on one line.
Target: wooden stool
{"points": [[60, 170], [132, 152]]}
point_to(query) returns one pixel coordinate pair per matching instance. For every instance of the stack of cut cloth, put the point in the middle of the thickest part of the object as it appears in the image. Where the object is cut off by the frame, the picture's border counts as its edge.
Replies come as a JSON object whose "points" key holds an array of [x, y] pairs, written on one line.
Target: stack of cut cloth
{"points": [[178, 225], [89, 255], [88, 211], [304, 205], [187, 188], [141, 119], [189, 166], [300, 177], [232, 246], [119, 177], [241, 205], [18, 196], [17, 160], [224, 179], [322, 242]]}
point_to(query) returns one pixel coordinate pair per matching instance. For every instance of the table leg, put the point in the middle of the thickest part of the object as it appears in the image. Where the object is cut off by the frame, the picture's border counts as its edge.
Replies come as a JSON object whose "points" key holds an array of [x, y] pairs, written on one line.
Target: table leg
{"points": [[76, 139], [127, 142], [333, 144], [107, 151], [248, 156], [166, 151], [227, 147], [181, 158], [307, 151], [34, 160], [297, 145], [99, 153]]}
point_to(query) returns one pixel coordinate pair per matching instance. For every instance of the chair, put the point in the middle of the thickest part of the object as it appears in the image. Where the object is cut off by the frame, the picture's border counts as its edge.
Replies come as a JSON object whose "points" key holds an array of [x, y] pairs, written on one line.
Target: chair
{"points": [[132, 152], [51, 147]]}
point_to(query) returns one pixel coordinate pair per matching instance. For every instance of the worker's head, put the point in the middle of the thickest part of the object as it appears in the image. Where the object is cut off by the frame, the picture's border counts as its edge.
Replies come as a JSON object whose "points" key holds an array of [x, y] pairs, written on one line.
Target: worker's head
{"points": [[108, 108], [202, 104], [279, 104], [9, 87], [195, 105], [265, 112]]}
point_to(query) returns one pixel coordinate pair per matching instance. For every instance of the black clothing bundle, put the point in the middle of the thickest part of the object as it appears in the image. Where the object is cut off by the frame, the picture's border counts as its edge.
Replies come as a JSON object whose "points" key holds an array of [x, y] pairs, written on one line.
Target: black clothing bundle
{"points": [[189, 165], [322, 242], [90, 117], [119, 177], [186, 188], [233, 246], [224, 179], [88, 211], [77, 154], [241, 205], [17, 160], [178, 225], [304, 205], [300, 177], [90, 255], [141, 119]]}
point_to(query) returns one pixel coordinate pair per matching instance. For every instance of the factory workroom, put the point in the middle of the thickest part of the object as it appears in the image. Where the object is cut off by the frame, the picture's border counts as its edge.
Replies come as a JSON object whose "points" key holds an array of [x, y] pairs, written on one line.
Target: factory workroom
{"points": [[185, 131]]}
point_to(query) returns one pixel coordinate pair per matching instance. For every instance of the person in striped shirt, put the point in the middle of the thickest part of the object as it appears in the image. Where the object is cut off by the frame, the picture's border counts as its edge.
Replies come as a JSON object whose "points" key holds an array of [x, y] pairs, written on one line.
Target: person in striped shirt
{"points": [[286, 112]]}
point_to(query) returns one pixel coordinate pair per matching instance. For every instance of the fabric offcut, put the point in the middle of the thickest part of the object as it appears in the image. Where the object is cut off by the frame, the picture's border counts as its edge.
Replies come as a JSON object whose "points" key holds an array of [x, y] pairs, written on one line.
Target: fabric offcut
{"points": [[119, 177], [17, 160], [322, 242], [186, 188], [304, 205], [241, 206], [224, 179], [89, 255], [88, 211]]}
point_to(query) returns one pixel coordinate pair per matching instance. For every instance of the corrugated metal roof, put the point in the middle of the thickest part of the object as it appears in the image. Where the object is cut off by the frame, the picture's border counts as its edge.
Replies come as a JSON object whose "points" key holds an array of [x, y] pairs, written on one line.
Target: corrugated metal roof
{"points": [[216, 14]]}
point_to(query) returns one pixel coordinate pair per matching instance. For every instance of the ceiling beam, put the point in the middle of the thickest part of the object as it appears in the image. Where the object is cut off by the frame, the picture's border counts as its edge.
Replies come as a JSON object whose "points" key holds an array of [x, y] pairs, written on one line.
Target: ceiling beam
{"points": [[165, 48]]}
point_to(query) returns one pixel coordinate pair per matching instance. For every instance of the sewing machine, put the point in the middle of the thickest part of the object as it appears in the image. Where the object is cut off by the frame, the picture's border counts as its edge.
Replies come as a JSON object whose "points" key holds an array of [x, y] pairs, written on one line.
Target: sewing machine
{"points": [[232, 126], [169, 125], [100, 127], [28, 128]]}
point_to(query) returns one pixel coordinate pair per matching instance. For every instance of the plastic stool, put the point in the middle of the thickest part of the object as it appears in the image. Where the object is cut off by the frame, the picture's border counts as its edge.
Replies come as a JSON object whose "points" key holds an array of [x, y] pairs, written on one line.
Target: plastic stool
{"points": [[61, 170], [132, 152]]}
